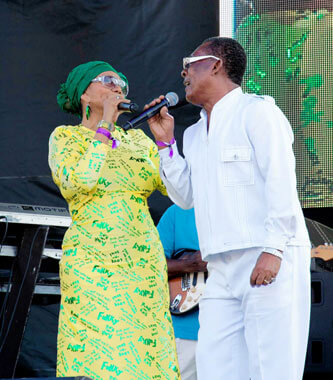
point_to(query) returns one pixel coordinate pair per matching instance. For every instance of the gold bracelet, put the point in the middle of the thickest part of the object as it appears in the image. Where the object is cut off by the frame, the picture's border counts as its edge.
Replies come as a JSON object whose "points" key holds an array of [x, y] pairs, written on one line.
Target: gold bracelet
{"points": [[106, 125]]}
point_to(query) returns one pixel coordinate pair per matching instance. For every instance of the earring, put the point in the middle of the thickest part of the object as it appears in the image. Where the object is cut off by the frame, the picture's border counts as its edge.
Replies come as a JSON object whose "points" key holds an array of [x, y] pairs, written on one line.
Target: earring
{"points": [[88, 109]]}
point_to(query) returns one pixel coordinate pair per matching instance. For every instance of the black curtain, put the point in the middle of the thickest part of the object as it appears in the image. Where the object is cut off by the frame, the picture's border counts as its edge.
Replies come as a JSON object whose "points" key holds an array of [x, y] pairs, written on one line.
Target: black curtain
{"points": [[42, 40]]}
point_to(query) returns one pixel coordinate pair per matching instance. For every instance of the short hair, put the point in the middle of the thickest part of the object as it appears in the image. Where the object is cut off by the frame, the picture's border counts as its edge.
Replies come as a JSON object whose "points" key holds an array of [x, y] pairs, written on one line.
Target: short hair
{"points": [[232, 54]]}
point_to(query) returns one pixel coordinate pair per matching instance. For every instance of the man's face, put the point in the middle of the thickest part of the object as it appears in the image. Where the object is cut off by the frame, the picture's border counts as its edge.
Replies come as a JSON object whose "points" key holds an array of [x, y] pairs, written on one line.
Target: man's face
{"points": [[196, 77]]}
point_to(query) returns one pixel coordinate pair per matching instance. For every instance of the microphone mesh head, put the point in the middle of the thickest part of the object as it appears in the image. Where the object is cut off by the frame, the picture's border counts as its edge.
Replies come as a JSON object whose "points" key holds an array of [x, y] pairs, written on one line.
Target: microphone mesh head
{"points": [[172, 98]]}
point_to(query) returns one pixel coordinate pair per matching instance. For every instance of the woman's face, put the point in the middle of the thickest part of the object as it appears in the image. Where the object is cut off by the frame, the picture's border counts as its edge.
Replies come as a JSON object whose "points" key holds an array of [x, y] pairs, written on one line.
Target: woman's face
{"points": [[97, 91]]}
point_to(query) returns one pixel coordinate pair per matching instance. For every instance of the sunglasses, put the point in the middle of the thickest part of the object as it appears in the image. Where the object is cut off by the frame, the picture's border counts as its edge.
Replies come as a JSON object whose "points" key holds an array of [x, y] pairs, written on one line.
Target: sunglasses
{"points": [[189, 60], [112, 82]]}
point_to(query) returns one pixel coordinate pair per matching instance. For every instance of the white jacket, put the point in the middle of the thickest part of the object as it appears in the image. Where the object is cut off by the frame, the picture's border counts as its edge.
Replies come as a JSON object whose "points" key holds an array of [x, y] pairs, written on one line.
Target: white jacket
{"points": [[240, 177]]}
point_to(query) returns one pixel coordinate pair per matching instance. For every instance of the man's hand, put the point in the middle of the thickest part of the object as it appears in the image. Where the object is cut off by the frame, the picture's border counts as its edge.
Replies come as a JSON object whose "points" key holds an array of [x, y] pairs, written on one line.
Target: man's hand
{"points": [[194, 262], [186, 264], [265, 270], [162, 124]]}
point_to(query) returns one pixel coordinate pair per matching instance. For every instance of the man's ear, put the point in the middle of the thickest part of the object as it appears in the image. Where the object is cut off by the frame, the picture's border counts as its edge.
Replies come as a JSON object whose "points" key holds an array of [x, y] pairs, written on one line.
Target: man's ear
{"points": [[218, 66]]}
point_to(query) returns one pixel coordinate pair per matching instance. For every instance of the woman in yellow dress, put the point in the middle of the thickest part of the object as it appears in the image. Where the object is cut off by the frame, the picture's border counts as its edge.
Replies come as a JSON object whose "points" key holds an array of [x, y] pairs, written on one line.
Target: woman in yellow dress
{"points": [[290, 57], [114, 316]]}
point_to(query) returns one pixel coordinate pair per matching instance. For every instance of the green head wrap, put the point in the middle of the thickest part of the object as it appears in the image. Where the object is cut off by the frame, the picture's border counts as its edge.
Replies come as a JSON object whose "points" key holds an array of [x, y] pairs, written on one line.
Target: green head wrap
{"points": [[69, 94]]}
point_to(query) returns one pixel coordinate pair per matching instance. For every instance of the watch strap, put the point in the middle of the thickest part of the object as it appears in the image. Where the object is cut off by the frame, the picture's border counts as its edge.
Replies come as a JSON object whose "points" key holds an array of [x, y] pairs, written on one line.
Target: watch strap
{"points": [[105, 124]]}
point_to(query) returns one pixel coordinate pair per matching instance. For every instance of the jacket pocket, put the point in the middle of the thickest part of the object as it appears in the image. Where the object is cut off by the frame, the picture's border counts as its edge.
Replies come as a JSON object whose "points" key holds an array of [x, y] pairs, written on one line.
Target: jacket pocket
{"points": [[237, 166]]}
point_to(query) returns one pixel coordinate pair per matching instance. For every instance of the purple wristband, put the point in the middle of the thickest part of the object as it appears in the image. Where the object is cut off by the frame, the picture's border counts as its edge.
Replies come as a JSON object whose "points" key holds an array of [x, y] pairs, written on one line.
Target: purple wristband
{"points": [[169, 144], [104, 132]]}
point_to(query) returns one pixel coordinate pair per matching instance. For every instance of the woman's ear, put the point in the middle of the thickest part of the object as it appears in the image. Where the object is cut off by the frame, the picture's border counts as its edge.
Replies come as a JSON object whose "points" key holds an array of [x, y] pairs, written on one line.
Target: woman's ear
{"points": [[85, 99]]}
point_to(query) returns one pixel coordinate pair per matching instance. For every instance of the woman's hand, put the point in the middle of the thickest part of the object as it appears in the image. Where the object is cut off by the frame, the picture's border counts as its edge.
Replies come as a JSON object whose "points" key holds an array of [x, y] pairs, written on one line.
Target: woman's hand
{"points": [[162, 124], [110, 106]]}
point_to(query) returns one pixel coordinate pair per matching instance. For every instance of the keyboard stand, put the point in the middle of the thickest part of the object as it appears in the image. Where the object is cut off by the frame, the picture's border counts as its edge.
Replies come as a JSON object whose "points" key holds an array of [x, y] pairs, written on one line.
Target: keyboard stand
{"points": [[16, 312]]}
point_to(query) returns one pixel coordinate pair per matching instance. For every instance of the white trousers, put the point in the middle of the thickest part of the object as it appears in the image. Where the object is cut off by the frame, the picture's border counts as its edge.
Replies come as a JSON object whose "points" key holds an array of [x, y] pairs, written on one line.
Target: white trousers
{"points": [[186, 358], [257, 333]]}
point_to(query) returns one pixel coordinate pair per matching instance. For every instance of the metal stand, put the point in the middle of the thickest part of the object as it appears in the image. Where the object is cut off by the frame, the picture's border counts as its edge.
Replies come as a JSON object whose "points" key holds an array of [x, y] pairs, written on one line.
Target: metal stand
{"points": [[25, 272]]}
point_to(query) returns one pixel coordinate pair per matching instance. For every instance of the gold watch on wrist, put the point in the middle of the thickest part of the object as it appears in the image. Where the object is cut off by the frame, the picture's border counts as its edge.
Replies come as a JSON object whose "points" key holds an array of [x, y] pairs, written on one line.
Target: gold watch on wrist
{"points": [[106, 125]]}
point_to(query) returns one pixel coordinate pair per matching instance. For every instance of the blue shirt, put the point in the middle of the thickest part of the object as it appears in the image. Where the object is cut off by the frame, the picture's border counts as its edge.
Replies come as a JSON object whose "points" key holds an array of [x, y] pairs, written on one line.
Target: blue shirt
{"points": [[177, 230]]}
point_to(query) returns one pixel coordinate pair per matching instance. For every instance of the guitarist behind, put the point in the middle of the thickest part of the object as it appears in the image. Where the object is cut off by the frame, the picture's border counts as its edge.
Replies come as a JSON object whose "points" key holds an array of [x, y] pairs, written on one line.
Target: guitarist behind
{"points": [[178, 231]]}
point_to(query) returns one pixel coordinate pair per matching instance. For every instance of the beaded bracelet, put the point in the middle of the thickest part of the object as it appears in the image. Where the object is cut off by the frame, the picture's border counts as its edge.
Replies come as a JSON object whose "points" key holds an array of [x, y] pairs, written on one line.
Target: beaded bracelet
{"points": [[169, 144]]}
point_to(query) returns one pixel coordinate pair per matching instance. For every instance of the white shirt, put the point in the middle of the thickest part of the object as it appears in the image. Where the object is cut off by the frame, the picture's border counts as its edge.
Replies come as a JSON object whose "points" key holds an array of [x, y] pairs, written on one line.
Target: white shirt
{"points": [[240, 176]]}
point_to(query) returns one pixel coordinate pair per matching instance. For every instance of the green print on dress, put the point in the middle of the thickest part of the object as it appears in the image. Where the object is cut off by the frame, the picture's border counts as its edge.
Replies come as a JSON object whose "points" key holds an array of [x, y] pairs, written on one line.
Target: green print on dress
{"points": [[114, 320]]}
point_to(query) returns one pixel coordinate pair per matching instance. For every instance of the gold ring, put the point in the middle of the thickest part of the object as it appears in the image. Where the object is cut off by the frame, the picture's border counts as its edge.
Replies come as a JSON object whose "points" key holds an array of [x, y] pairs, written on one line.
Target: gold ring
{"points": [[267, 282]]}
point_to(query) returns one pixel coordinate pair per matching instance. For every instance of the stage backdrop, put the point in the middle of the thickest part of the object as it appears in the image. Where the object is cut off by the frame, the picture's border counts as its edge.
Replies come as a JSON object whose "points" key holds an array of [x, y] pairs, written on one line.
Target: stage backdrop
{"points": [[289, 44], [41, 41]]}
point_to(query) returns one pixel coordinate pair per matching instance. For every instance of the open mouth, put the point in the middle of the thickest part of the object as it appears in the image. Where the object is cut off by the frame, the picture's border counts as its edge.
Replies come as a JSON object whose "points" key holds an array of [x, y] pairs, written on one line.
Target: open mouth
{"points": [[186, 82]]}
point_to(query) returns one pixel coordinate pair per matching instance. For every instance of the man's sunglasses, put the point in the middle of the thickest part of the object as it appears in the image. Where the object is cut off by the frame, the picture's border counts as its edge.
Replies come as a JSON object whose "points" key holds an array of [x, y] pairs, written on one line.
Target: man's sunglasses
{"points": [[189, 60]]}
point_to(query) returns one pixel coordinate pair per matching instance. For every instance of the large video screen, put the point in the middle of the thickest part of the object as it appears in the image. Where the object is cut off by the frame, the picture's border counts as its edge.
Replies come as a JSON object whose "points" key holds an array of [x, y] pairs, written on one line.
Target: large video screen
{"points": [[289, 44]]}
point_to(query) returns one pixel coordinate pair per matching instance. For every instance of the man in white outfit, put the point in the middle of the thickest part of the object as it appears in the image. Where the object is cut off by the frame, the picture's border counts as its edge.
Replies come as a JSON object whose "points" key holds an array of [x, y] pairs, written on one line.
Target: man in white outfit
{"points": [[239, 174]]}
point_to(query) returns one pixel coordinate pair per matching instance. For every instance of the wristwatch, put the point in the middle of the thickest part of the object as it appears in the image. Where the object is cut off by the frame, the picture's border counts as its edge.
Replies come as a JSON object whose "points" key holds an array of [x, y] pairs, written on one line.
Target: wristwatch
{"points": [[274, 252], [106, 125]]}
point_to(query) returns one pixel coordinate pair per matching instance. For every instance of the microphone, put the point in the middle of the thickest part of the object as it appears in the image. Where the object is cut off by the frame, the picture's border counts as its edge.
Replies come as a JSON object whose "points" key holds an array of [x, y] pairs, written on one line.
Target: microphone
{"points": [[171, 99], [128, 107]]}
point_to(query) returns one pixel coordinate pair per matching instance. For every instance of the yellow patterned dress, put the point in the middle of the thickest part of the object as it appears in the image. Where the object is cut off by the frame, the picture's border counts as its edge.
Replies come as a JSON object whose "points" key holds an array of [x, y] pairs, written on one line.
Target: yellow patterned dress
{"points": [[114, 316]]}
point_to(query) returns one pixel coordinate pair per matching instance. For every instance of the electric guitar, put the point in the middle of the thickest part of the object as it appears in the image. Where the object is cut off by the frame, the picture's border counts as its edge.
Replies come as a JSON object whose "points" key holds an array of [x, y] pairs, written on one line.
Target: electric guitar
{"points": [[324, 252], [186, 290]]}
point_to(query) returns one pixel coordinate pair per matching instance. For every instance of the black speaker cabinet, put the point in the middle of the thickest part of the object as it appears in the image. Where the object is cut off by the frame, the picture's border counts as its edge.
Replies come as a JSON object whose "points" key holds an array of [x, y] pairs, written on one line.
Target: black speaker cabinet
{"points": [[320, 347]]}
